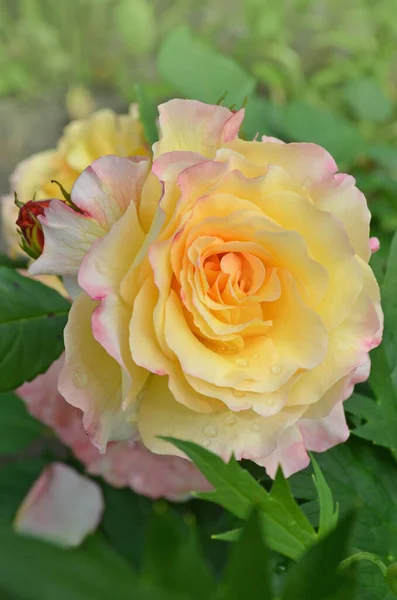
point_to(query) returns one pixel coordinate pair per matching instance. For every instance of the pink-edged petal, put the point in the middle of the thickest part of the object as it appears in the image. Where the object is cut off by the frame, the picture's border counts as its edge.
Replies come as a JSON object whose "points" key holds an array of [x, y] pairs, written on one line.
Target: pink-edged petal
{"points": [[374, 244], [290, 454], [153, 475], [68, 235], [196, 127], [108, 186], [101, 273], [321, 434], [340, 196], [306, 163], [309, 434], [93, 381], [62, 507]]}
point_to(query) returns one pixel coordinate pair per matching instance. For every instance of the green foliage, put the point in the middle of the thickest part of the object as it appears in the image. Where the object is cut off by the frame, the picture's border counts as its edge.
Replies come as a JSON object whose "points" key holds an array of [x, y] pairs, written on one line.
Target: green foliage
{"points": [[198, 71], [368, 101], [247, 573], [287, 530], [304, 122], [17, 428], [148, 114], [18, 263], [173, 560], [361, 477], [380, 415], [317, 575], [32, 318], [328, 513]]}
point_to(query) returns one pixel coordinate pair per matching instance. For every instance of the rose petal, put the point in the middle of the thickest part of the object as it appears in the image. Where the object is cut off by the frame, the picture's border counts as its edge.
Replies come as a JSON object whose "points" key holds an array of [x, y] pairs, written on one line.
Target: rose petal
{"points": [[62, 507], [195, 126]]}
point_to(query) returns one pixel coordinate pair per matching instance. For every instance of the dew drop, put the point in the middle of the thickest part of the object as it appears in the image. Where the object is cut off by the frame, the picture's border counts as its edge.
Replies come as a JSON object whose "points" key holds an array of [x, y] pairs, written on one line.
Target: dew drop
{"points": [[206, 442], [271, 402], [238, 394], [241, 362], [255, 355], [276, 369], [230, 420], [210, 431], [255, 427], [79, 379]]}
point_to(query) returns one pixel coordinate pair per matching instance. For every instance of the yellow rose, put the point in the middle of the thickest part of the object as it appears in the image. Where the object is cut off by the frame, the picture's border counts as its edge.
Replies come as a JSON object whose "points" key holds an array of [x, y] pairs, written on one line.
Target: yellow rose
{"points": [[232, 304], [82, 142]]}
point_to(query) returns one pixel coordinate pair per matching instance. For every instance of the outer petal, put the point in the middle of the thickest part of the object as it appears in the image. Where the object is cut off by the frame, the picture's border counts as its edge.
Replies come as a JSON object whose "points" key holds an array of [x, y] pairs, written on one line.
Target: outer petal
{"points": [[306, 163], [155, 476], [124, 464], [62, 507], [107, 187], [194, 126], [245, 433], [92, 380], [340, 197], [68, 236], [309, 434], [103, 192]]}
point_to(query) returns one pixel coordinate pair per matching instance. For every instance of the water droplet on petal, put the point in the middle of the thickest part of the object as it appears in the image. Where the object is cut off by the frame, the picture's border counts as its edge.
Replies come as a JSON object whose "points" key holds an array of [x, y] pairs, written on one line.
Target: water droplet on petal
{"points": [[255, 427], [271, 402], [79, 379], [230, 420], [241, 362], [255, 355], [210, 431], [238, 394], [276, 369], [206, 442]]}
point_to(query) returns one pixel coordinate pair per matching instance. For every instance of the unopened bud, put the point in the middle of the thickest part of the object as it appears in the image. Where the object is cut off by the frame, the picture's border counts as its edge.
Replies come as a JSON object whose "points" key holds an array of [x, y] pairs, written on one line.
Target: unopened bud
{"points": [[30, 228]]}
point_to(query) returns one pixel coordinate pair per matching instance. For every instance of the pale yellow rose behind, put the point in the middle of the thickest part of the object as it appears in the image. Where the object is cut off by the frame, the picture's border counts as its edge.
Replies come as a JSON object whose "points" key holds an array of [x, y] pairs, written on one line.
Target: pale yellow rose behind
{"points": [[82, 142]]}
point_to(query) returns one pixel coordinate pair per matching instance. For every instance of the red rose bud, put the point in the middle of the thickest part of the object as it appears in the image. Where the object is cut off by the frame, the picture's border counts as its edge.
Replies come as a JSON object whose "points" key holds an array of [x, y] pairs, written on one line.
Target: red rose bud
{"points": [[30, 229]]}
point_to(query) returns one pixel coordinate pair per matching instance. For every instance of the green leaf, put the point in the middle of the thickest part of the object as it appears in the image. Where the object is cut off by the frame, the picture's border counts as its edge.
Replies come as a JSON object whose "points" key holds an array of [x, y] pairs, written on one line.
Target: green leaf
{"points": [[328, 513], [136, 25], [13, 263], [389, 304], [317, 574], [368, 101], [125, 521], [173, 560], [281, 491], [306, 123], [16, 478], [247, 573], [361, 477], [200, 72], [380, 415], [147, 114], [32, 318], [35, 570], [238, 492], [262, 117], [17, 428]]}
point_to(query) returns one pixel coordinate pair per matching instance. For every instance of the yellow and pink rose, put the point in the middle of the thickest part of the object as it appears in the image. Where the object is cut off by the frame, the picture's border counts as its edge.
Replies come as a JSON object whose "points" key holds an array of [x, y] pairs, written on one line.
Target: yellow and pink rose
{"points": [[222, 292]]}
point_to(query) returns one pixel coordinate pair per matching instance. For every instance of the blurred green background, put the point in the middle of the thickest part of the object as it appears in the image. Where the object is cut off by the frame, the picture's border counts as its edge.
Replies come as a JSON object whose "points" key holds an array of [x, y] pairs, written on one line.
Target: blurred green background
{"points": [[311, 70]]}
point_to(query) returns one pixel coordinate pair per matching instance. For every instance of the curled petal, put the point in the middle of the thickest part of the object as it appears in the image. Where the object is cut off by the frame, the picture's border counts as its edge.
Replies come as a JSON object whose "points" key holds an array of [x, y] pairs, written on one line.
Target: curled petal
{"points": [[196, 127], [93, 381], [309, 434]]}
